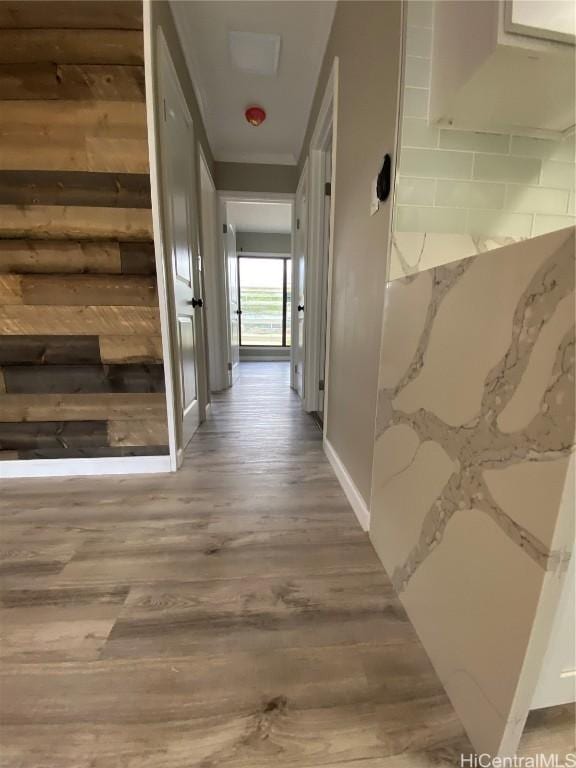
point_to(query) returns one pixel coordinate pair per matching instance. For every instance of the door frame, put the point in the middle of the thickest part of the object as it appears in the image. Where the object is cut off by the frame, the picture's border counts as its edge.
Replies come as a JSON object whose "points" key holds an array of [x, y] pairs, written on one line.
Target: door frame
{"points": [[229, 196], [214, 271], [325, 129], [303, 181], [163, 67]]}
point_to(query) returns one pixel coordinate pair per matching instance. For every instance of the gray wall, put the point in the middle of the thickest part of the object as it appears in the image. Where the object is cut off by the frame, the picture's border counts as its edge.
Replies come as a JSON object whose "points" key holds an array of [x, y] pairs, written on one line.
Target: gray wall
{"points": [[366, 38], [263, 242], [161, 17], [253, 177]]}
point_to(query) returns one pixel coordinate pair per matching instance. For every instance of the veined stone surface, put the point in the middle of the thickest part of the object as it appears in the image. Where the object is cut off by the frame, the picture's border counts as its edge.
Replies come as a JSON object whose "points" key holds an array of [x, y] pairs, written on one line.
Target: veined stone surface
{"points": [[474, 434]]}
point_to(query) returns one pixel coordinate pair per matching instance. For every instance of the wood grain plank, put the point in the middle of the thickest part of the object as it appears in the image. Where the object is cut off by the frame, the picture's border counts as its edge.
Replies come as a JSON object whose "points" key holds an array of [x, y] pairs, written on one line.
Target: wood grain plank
{"points": [[74, 135], [69, 154], [9, 455], [49, 350], [74, 222], [130, 349], [174, 620], [28, 81], [73, 154], [80, 290], [50, 120], [52, 434], [110, 190], [133, 432], [61, 599], [138, 258], [92, 452], [18, 408], [39, 14], [71, 82], [81, 46], [108, 321], [82, 257], [76, 379], [122, 155], [11, 289]]}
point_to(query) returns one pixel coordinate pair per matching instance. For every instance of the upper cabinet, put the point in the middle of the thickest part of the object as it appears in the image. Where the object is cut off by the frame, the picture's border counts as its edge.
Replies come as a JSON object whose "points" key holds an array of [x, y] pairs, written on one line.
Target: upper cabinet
{"points": [[504, 65]]}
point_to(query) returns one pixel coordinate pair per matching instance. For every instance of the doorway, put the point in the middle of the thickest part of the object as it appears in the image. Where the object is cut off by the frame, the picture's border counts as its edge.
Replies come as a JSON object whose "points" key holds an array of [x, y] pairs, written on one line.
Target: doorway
{"points": [[257, 241], [317, 190]]}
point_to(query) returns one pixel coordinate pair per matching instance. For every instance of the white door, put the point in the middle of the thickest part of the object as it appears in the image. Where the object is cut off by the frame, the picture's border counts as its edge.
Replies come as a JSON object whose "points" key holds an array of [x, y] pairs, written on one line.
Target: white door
{"points": [[324, 278], [214, 282], [232, 262], [181, 234], [300, 247]]}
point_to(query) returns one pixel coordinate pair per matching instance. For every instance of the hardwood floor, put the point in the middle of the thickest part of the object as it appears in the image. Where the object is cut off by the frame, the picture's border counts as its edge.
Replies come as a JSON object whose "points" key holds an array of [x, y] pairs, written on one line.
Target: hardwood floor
{"points": [[233, 615]]}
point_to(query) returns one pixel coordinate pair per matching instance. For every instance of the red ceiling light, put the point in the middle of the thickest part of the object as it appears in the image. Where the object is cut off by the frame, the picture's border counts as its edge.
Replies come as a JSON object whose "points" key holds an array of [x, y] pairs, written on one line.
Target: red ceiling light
{"points": [[255, 115]]}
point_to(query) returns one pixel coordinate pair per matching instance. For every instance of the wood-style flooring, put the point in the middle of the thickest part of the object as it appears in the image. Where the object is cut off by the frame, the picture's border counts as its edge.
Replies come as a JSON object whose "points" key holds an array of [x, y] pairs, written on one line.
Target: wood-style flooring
{"points": [[232, 615]]}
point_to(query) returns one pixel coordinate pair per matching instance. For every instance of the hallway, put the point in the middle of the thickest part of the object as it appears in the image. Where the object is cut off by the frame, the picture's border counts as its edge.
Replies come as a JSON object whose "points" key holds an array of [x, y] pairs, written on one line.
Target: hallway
{"points": [[231, 615]]}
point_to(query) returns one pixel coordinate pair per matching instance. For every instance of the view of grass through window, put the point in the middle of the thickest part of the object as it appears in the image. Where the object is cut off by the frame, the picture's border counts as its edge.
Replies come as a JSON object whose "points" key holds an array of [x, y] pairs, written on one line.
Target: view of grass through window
{"points": [[265, 318]]}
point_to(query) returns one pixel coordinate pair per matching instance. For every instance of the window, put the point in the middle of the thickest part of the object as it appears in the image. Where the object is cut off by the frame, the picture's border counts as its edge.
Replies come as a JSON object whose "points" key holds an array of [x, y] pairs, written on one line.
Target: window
{"points": [[264, 300]]}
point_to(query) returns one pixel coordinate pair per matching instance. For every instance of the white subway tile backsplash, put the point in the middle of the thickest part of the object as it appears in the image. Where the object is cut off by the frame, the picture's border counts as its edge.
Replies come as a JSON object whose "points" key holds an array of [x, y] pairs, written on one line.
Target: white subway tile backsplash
{"points": [[417, 72], [536, 199], [566, 149], [436, 163], [543, 224], [418, 41], [415, 191], [463, 184], [544, 148], [524, 170], [556, 174], [417, 133], [470, 194], [413, 219], [499, 224], [416, 102], [420, 13], [474, 141]]}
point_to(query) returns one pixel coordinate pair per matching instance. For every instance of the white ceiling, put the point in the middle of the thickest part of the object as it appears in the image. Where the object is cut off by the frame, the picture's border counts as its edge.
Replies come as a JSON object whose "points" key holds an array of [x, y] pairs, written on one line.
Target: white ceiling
{"points": [[259, 217], [224, 92]]}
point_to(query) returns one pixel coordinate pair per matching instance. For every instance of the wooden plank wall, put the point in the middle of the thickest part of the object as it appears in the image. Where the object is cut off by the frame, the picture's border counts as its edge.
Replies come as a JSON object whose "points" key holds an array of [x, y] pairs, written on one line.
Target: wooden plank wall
{"points": [[81, 370]]}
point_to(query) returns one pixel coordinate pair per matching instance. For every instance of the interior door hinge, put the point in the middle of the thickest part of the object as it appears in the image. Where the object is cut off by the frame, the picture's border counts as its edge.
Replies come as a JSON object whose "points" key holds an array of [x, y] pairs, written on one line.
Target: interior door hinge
{"points": [[229, 366], [165, 113], [224, 229], [321, 385], [328, 189], [297, 223]]}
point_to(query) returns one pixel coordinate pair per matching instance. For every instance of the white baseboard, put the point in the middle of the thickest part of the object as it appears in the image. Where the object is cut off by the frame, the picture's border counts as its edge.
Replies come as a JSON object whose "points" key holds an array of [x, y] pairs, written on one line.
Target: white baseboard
{"points": [[352, 493], [116, 465]]}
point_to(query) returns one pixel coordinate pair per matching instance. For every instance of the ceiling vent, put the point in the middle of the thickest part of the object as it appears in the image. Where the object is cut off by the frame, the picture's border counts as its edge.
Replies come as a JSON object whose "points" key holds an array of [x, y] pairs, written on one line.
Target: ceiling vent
{"points": [[254, 52]]}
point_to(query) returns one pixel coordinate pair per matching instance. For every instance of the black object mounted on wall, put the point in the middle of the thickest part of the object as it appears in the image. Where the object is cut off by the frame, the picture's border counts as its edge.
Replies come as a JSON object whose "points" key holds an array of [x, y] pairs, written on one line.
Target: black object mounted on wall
{"points": [[383, 180]]}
